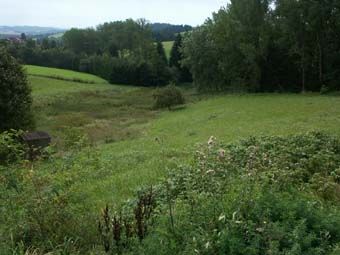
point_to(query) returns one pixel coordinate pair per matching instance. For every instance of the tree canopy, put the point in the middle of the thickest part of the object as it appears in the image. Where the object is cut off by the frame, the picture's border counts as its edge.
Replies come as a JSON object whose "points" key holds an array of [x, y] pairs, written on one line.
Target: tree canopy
{"points": [[267, 45]]}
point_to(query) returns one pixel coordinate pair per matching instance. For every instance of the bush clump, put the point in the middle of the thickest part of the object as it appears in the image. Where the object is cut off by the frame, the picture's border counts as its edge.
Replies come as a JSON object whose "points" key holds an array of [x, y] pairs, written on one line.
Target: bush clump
{"points": [[168, 97], [15, 95], [11, 150]]}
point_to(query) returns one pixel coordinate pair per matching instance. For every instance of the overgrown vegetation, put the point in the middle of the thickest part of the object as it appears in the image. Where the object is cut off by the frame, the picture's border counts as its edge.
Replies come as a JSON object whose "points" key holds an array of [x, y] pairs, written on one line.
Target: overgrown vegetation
{"points": [[11, 150], [260, 195]]}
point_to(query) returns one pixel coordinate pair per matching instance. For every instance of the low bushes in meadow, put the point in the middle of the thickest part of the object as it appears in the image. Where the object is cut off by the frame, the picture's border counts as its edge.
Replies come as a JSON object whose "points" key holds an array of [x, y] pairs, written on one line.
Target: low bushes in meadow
{"points": [[168, 97], [11, 150]]}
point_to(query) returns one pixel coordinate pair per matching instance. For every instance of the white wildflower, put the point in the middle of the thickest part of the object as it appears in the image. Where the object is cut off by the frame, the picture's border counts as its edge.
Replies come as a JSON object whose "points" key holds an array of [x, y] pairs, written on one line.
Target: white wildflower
{"points": [[222, 217], [221, 153], [211, 140]]}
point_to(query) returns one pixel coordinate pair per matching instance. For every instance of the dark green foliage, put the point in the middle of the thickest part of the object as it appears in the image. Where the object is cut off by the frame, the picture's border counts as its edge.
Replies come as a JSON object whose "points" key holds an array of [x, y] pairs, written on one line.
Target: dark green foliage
{"points": [[122, 52], [152, 71], [11, 150], [260, 45], [168, 97], [23, 36], [175, 61], [15, 95], [81, 40], [167, 32], [123, 72], [161, 53]]}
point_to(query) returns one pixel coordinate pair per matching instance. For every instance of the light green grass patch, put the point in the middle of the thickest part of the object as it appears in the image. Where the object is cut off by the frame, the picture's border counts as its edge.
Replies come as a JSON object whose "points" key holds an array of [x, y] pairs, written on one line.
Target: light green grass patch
{"points": [[57, 36], [43, 87], [167, 47], [63, 74], [104, 112]]}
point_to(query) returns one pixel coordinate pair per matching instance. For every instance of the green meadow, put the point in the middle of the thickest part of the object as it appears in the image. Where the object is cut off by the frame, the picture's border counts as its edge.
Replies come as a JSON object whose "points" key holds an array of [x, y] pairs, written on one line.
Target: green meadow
{"points": [[138, 143], [221, 137], [109, 142]]}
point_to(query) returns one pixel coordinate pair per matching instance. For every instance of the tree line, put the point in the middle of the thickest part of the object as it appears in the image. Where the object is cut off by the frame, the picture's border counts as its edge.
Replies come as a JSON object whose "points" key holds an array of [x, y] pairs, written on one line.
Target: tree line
{"points": [[249, 45], [123, 52], [168, 32], [267, 45]]}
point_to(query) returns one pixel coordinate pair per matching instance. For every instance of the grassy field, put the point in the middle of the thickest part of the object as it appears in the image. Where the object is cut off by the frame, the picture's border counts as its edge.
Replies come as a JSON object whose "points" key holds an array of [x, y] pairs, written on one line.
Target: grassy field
{"points": [[137, 143], [168, 47], [229, 118], [63, 74], [133, 145], [101, 111]]}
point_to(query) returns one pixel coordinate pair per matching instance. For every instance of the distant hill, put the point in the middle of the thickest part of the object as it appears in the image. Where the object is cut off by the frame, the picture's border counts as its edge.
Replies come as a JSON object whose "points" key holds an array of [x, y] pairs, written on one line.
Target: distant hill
{"points": [[167, 32], [15, 31], [160, 31]]}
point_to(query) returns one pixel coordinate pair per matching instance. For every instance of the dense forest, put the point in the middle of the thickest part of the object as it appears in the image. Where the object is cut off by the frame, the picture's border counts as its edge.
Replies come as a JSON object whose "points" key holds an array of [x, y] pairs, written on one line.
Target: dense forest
{"points": [[263, 45], [168, 32]]}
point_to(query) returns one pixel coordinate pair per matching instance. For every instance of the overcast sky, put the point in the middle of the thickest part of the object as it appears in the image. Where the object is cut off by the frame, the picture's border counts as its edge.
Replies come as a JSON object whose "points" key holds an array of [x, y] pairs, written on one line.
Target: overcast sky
{"points": [[89, 13]]}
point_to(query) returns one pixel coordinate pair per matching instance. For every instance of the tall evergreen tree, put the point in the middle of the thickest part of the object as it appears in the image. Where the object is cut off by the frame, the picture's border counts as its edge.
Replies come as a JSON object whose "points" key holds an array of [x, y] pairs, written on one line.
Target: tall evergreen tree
{"points": [[161, 52], [175, 54], [176, 58]]}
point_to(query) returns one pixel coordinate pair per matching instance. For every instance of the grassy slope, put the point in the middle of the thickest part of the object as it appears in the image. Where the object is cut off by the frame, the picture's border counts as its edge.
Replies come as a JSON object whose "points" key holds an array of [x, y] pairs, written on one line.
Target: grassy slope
{"points": [[46, 87], [168, 47], [110, 173], [104, 112], [136, 162], [61, 73], [122, 115]]}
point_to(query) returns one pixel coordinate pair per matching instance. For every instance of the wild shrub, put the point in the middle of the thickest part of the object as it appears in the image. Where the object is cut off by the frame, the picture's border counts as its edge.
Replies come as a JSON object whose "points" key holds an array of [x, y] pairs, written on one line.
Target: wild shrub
{"points": [[15, 95], [325, 90], [11, 150], [168, 97], [75, 139], [119, 230]]}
